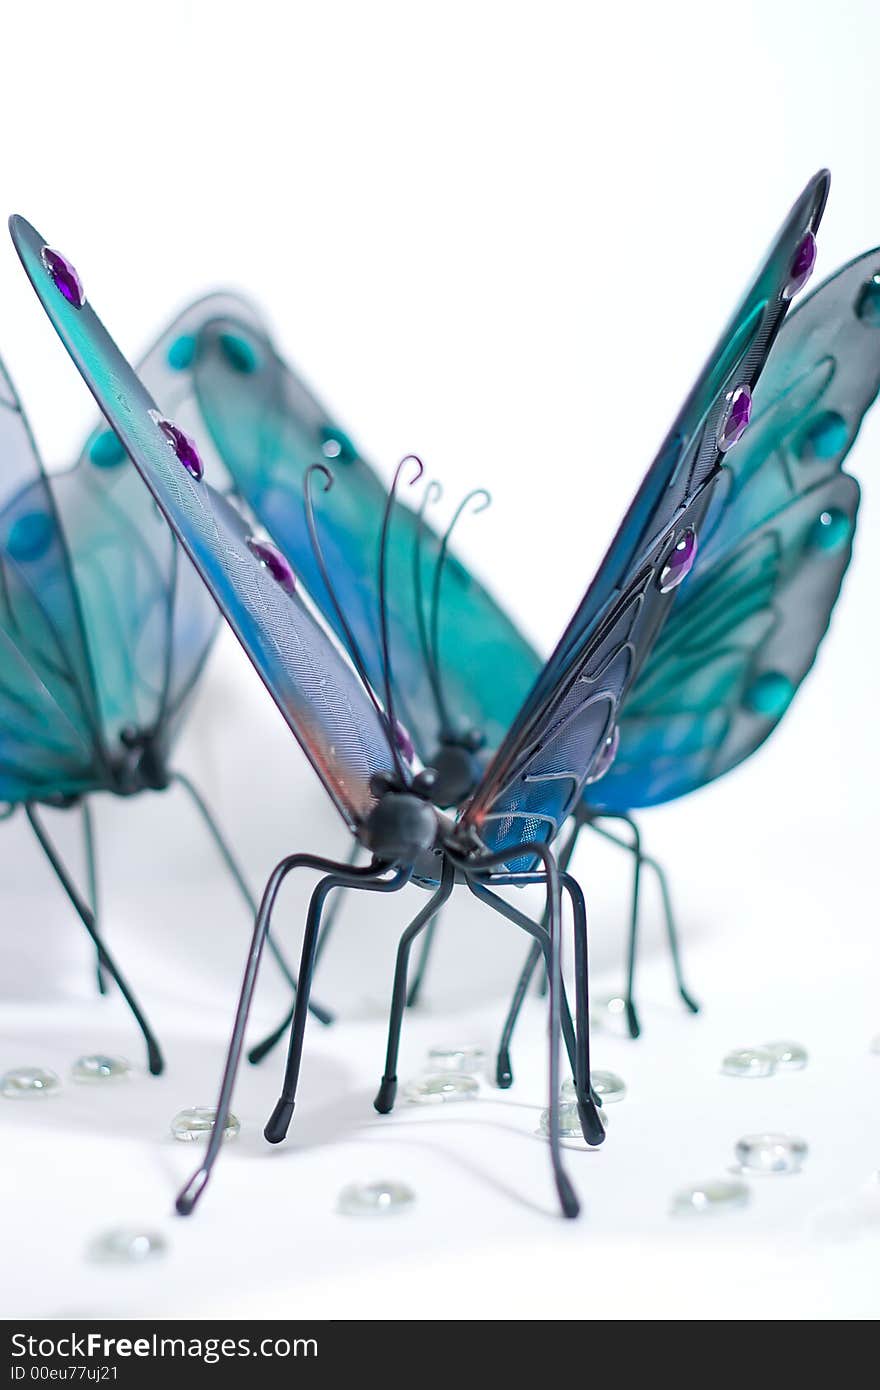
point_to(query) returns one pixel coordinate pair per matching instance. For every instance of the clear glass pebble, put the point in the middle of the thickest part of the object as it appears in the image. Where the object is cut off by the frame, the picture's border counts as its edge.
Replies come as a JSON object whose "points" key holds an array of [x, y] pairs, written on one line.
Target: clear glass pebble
{"points": [[375, 1198], [749, 1061], [569, 1122], [127, 1245], [702, 1198], [96, 1068], [788, 1055], [466, 1059], [771, 1153], [609, 1011], [609, 1087], [198, 1121], [21, 1083], [444, 1086]]}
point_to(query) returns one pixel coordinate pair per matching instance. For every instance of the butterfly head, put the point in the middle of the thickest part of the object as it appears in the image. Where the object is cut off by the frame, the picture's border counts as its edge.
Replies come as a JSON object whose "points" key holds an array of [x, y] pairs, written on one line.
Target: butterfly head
{"points": [[143, 764], [403, 824], [457, 767]]}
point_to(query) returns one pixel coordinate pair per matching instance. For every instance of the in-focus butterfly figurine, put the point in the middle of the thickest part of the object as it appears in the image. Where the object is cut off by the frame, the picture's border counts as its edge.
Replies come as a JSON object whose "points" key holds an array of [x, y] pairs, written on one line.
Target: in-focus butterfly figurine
{"points": [[733, 654], [104, 631], [536, 777]]}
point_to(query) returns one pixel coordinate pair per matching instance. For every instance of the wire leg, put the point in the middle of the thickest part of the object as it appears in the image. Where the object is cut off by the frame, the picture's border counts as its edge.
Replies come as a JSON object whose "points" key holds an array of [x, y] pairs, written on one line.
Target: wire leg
{"points": [[591, 1125], [503, 1066], [190, 1194], [92, 880], [384, 1101], [415, 988], [279, 1121], [241, 883], [86, 916], [331, 915]]}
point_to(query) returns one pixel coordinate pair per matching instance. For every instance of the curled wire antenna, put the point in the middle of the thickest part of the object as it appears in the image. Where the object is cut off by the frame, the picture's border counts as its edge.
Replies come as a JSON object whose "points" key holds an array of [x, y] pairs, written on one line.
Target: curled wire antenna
{"points": [[478, 500], [433, 493], [387, 678], [385, 715]]}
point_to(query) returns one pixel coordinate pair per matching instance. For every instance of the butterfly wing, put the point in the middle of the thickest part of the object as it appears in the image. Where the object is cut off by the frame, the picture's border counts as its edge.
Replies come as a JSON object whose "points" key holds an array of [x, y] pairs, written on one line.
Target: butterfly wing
{"points": [[539, 773], [269, 428], [50, 737], [745, 630], [148, 619], [325, 706]]}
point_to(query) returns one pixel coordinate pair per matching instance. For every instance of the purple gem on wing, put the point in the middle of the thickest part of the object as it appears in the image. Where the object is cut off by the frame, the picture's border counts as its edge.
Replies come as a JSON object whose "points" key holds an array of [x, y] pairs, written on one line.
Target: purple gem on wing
{"points": [[64, 276], [736, 419], [607, 754], [801, 266], [679, 562], [184, 446], [277, 564]]}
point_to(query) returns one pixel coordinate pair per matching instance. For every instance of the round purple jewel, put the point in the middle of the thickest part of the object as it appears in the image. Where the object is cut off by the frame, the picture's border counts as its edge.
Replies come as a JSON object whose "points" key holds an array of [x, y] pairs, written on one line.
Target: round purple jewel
{"points": [[801, 266], [184, 446], [736, 420], [403, 741], [64, 276], [277, 564], [607, 754], [679, 562]]}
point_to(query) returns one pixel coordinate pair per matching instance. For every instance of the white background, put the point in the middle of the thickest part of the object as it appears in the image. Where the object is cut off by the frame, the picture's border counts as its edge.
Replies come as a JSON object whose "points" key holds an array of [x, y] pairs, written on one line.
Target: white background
{"points": [[503, 235]]}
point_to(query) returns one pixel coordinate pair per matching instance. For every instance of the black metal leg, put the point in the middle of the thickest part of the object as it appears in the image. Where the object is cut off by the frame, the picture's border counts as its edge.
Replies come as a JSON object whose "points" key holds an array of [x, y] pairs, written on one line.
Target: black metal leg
{"points": [[591, 1125], [86, 916], [92, 881], [503, 1066], [415, 988], [222, 845], [330, 917], [279, 1121], [384, 1101], [190, 1194]]}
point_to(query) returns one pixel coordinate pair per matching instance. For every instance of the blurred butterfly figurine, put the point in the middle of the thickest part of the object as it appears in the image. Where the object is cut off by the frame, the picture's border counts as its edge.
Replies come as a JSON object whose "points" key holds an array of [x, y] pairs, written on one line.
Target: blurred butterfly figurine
{"points": [[555, 739], [104, 631], [744, 630]]}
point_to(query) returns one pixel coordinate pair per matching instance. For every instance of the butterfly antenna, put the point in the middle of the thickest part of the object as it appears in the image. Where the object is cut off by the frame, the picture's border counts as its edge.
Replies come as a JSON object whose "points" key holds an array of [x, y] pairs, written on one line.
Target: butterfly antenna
{"points": [[479, 499], [433, 493], [351, 642], [385, 641]]}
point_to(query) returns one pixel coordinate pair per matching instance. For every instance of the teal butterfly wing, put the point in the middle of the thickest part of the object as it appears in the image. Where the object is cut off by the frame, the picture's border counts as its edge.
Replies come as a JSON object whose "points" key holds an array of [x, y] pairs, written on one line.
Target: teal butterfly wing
{"points": [[567, 731], [326, 707], [51, 743], [744, 632], [269, 428]]}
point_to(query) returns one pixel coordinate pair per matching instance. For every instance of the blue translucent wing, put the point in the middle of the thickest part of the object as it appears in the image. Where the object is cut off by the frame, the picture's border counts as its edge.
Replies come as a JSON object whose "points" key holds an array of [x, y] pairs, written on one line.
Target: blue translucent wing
{"points": [[50, 740], [269, 429], [539, 773], [149, 621], [319, 695], [745, 630]]}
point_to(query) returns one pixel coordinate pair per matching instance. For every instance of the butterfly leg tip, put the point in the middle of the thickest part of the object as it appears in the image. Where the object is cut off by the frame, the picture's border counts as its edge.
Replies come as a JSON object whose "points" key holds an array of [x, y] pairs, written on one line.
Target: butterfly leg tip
{"points": [[503, 1071], [387, 1094], [189, 1196], [632, 1020], [592, 1127], [155, 1060], [279, 1122], [690, 1002], [571, 1207]]}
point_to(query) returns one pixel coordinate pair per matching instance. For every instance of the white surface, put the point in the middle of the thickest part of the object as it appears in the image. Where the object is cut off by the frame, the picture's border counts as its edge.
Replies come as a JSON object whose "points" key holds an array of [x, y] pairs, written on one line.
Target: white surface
{"points": [[504, 236]]}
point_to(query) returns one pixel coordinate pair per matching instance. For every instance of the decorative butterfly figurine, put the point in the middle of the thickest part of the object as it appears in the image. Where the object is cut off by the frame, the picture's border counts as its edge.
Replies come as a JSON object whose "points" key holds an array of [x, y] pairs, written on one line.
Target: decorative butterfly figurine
{"points": [[104, 631], [744, 631], [536, 777]]}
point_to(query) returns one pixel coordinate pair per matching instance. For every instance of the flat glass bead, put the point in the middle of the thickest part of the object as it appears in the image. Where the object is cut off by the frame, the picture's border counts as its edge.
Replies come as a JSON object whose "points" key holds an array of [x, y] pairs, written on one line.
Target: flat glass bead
{"points": [[771, 1153], [704, 1198], [198, 1121], [749, 1061], [375, 1198], [127, 1245], [466, 1059], [23, 1083], [788, 1055], [445, 1086], [607, 1084], [569, 1122], [96, 1068], [609, 1011]]}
